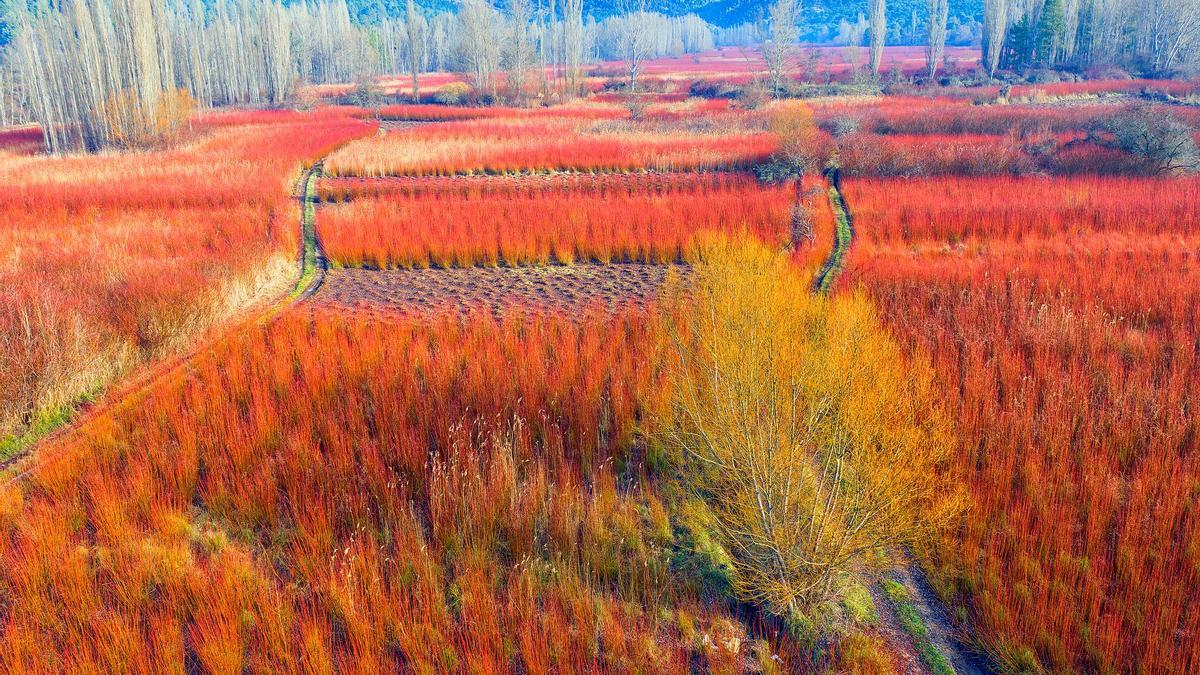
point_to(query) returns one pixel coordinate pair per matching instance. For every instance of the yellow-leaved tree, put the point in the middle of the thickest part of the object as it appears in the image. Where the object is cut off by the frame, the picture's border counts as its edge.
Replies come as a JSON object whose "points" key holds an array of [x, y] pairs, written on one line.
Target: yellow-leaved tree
{"points": [[796, 418]]}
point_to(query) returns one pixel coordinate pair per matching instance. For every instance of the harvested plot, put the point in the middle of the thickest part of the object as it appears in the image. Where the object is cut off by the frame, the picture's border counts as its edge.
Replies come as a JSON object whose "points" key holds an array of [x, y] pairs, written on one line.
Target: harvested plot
{"points": [[1062, 317], [570, 290], [460, 223], [525, 144]]}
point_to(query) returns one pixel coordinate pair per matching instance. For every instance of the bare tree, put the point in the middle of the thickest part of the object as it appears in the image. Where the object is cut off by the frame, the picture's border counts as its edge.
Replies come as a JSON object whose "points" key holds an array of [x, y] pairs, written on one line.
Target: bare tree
{"points": [[635, 42], [995, 28], [783, 31], [877, 11], [939, 14], [519, 48], [1172, 32], [572, 44], [413, 29], [479, 28]]}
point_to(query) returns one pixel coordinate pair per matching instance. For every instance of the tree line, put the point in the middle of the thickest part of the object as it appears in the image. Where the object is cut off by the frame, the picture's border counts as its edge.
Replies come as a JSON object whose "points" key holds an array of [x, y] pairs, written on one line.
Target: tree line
{"points": [[102, 73], [1153, 37], [1157, 37]]}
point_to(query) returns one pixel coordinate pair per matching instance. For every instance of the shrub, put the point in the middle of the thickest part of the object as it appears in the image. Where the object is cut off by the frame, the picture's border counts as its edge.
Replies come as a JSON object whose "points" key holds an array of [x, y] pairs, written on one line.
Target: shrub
{"points": [[803, 147], [455, 93], [134, 123], [790, 413], [1166, 145], [366, 94]]}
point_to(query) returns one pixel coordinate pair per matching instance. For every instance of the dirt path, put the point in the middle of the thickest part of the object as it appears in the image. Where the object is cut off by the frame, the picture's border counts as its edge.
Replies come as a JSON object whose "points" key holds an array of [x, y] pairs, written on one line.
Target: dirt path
{"points": [[908, 661], [312, 257], [943, 635], [844, 234]]}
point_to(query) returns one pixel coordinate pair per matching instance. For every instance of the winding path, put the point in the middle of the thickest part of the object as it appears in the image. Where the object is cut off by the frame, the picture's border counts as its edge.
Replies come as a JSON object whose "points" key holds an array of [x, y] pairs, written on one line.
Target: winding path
{"points": [[313, 265], [844, 236], [944, 636]]}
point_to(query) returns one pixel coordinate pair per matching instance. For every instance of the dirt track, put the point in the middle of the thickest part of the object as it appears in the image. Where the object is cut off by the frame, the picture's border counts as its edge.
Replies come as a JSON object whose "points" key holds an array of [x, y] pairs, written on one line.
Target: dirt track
{"points": [[552, 289]]}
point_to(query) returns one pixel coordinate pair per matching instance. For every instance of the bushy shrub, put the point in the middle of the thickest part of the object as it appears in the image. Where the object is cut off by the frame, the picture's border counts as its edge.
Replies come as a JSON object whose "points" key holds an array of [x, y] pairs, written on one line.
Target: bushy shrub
{"points": [[135, 123], [717, 89], [803, 147], [365, 94], [1165, 145], [455, 93]]}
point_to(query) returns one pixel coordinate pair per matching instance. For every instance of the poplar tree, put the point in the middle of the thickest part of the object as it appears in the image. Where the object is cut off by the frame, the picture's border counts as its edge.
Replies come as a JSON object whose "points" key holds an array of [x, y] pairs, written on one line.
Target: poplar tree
{"points": [[939, 14], [877, 10]]}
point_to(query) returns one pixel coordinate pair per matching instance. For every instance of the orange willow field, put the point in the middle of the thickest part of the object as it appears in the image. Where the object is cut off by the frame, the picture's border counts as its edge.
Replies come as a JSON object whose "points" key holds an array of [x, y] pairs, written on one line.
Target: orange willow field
{"points": [[1063, 318], [313, 436], [408, 388]]}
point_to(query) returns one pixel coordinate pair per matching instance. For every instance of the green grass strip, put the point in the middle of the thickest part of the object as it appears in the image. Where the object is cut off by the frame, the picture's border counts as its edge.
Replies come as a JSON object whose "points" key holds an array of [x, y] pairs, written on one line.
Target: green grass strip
{"points": [[311, 258], [910, 621], [841, 247]]}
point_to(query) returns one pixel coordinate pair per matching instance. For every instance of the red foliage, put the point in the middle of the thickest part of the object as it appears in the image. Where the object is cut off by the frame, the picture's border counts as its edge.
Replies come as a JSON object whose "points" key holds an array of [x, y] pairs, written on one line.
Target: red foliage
{"points": [[1063, 318], [327, 492], [113, 258], [464, 222], [21, 141], [550, 142], [989, 211]]}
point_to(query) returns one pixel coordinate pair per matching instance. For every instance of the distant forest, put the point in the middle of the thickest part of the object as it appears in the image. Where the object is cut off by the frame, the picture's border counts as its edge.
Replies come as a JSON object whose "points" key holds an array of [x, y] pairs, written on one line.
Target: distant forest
{"points": [[820, 19]]}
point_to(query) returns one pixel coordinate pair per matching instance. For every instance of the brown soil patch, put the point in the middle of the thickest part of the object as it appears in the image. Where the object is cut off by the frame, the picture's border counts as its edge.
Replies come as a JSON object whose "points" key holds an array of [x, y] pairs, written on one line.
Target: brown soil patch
{"points": [[395, 125], [552, 289]]}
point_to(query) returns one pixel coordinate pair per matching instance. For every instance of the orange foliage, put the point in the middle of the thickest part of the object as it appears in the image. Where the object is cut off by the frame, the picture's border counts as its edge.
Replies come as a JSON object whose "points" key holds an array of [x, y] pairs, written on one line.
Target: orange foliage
{"points": [[108, 259]]}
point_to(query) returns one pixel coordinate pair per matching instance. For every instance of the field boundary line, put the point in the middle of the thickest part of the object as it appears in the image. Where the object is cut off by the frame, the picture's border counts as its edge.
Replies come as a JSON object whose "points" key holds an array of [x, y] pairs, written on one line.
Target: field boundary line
{"points": [[942, 636]]}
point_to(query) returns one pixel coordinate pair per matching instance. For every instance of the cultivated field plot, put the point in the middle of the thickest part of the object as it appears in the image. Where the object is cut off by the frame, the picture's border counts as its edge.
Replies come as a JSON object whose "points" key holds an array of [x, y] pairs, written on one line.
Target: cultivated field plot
{"points": [[457, 222], [591, 141], [546, 242], [1062, 317], [273, 464], [571, 290], [919, 136]]}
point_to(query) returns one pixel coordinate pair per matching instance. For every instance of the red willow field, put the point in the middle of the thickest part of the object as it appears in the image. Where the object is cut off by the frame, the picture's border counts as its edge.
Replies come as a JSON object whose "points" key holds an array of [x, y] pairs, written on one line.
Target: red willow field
{"points": [[585, 142], [113, 259], [1063, 318], [314, 434], [356, 491], [458, 223]]}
